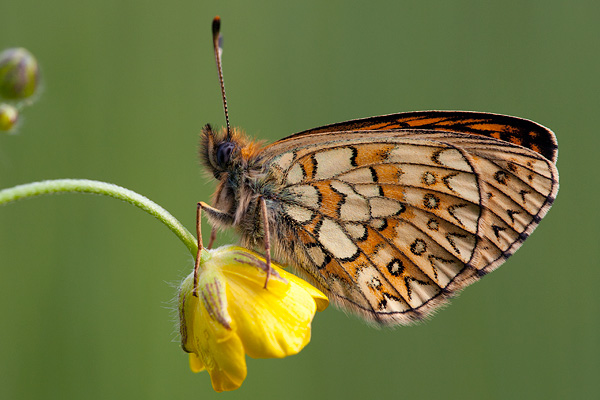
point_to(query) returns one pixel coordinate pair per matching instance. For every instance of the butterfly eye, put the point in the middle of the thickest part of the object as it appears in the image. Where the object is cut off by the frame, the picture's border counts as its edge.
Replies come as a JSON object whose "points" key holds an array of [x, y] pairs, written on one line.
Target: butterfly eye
{"points": [[224, 153]]}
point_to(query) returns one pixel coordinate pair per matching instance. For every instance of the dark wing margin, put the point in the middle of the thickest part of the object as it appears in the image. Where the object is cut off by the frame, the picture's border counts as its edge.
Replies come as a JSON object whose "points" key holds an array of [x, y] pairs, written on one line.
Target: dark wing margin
{"points": [[515, 130]]}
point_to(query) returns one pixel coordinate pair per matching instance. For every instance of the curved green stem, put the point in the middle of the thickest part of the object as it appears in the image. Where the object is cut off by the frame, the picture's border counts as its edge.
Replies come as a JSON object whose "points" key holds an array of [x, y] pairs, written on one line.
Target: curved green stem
{"points": [[107, 189]]}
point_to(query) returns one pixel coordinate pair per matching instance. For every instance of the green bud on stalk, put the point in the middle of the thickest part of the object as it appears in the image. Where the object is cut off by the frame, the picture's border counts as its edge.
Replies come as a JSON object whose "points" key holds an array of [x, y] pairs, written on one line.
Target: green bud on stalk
{"points": [[19, 74]]}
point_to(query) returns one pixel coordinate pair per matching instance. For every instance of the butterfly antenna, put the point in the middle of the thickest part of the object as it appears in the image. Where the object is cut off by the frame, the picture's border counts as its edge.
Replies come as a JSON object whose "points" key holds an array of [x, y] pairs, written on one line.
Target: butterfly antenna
{"points": [[218, 46]]}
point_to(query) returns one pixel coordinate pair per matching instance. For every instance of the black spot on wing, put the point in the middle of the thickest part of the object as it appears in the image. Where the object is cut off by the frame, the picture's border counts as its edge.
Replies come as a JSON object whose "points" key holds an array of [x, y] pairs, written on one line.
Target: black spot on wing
{"points": [[374, 176], [395, 267], [353, 156], [497, 229], [418, 247]]}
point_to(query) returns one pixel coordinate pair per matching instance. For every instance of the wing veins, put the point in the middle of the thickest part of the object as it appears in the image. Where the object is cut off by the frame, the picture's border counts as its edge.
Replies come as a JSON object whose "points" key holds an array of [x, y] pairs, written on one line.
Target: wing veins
{"points": [[444, 246], [516, 177], [418, 267]]}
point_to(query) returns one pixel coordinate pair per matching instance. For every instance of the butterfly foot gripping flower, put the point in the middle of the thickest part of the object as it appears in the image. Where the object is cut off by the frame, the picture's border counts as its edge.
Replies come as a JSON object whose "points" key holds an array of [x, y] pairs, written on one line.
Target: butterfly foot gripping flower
{"points": [[233, 314]]}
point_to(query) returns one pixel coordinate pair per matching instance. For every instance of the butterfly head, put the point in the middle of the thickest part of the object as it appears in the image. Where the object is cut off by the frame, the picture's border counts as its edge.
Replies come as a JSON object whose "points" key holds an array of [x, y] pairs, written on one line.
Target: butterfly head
{"points": [[232, 158], [217, 151], [223, 154]]}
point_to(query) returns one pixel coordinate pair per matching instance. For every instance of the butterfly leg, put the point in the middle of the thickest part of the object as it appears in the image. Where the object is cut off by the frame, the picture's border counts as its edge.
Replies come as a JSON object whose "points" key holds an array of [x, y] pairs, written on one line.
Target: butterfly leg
{"points": [[216, 215], [267, 239], [200, 247], [213, 236]]}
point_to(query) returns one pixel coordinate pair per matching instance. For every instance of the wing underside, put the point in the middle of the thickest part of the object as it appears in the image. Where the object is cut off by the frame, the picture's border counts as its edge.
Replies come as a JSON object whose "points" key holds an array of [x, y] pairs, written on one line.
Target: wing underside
{"points": [[393, 222]]}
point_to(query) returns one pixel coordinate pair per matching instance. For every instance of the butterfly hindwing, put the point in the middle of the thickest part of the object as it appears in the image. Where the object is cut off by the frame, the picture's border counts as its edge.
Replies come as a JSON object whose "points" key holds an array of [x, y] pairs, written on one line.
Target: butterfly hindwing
{"points": [[394, 221]]}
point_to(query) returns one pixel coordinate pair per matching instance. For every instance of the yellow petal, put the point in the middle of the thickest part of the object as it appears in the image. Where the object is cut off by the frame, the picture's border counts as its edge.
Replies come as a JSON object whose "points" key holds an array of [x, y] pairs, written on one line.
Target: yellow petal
{"points": [[273, 322], [228, 369], [229, 258], [248, 268], [196, 364], [321, 300], [270, 326]]}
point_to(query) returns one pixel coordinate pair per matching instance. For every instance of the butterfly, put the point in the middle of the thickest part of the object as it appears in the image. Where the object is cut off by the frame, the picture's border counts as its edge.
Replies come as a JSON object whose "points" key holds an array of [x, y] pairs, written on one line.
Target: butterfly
{"points": [[391, 215]]}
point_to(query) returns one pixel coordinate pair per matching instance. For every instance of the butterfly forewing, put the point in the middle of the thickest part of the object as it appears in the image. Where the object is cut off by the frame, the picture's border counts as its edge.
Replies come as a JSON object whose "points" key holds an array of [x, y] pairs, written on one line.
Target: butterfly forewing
{"points": [[514, 130], [393, 221]]}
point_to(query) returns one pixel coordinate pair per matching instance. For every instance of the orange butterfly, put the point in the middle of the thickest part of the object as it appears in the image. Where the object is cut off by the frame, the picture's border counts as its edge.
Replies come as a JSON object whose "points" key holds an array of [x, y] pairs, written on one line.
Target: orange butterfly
{"points": [[390, 215]]}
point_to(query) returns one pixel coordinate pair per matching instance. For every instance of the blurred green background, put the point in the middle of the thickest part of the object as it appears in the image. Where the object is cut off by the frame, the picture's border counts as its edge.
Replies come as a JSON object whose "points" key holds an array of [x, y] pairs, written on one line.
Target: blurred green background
{"points": [[87, 282]]}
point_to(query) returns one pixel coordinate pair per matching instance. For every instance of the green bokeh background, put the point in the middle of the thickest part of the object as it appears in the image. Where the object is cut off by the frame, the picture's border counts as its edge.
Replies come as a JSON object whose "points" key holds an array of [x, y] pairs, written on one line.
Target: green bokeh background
{"points": [[87, 282]]}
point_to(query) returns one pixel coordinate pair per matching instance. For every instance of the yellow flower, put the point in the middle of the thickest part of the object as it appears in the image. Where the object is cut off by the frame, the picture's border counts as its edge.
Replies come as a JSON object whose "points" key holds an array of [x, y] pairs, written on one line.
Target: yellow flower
{"points": [[234, 315]]}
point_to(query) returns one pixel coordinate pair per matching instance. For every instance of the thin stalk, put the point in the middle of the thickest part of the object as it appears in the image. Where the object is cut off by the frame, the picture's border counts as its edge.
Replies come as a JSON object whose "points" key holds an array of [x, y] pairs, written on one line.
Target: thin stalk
{"points": [[106, 189]]}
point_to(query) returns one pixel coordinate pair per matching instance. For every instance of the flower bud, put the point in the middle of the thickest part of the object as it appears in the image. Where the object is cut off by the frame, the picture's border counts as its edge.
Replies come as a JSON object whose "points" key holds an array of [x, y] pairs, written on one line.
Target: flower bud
{"points": [[19, 74], [8, 117]]}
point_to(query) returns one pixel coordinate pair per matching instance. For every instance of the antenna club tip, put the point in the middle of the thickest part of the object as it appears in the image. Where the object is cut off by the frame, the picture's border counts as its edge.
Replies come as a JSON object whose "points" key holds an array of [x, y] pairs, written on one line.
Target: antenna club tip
{"points": [[216, 25]]}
